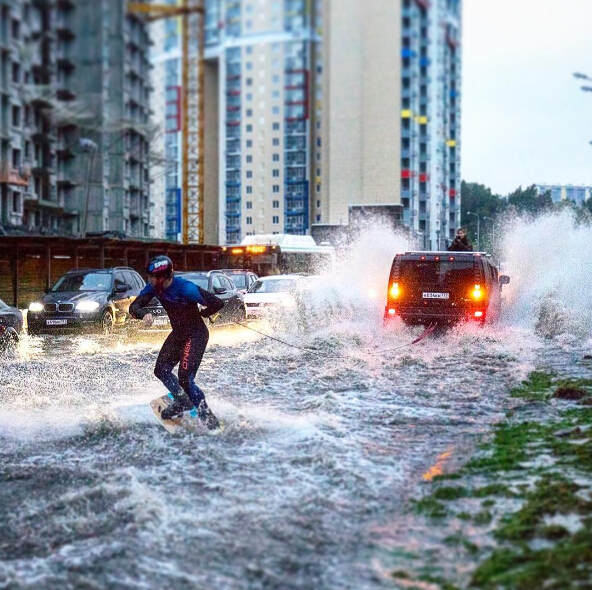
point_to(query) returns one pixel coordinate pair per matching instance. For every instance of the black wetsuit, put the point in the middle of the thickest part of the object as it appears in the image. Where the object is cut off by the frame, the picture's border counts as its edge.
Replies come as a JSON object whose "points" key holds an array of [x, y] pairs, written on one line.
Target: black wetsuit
{"points": [[187, 342]]}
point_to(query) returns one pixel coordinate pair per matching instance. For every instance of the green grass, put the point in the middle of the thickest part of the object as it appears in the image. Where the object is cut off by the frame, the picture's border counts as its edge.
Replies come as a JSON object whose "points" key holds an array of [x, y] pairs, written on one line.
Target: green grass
{"points": [[505, 463]]}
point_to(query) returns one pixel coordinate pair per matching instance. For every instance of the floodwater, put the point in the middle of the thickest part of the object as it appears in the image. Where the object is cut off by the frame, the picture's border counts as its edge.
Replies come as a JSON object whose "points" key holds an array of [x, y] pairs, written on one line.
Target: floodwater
{"points": [[323, 446]]}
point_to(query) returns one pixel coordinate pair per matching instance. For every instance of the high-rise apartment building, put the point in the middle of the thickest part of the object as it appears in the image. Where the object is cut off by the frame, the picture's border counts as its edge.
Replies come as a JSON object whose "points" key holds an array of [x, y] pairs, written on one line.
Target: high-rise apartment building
{"points": [[37, 138], [313, 106], [392, 112], [262, 62], [166, 170], [74, 127]]}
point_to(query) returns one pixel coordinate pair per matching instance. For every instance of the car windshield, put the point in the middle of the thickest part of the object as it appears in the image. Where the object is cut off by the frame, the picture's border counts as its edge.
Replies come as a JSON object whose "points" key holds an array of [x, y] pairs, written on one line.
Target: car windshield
{"points": [[273, 286], [443, 274], [199, 280], [240, 281], [3, 305], [92, 281]]}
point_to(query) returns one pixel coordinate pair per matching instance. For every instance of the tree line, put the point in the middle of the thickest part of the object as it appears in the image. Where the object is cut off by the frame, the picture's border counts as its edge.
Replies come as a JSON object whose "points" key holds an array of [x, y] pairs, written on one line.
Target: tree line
{"points": [[492, 209]]}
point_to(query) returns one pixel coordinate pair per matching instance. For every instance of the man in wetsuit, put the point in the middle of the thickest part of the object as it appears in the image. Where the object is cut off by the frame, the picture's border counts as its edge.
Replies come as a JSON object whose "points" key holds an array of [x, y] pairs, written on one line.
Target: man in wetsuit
{"points": [[187, 342]]}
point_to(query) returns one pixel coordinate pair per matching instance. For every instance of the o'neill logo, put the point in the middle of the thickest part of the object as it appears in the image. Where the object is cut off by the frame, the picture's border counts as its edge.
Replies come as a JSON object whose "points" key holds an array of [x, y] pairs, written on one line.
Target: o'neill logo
{"points": [[186, 351]]}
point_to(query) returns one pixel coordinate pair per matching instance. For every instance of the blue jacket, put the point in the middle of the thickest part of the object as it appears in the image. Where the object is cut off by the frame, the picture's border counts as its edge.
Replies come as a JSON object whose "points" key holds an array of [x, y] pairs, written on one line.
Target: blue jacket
{"points": [[180, 301]]}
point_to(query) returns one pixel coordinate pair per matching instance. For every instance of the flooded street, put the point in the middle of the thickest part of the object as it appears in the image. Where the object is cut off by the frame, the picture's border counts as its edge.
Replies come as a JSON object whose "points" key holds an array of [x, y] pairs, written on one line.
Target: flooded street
{"points": [[303, 488], [307, 485]]}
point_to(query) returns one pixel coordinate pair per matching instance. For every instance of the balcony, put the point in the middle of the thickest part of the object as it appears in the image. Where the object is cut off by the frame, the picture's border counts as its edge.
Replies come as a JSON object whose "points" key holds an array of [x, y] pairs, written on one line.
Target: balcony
{"points": [[13, 175]]}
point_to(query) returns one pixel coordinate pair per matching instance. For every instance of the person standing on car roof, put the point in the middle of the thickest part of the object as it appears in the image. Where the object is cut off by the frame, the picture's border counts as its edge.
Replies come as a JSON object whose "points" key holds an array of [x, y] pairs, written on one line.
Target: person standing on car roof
{"points": [[461, 242], [187, 342]]}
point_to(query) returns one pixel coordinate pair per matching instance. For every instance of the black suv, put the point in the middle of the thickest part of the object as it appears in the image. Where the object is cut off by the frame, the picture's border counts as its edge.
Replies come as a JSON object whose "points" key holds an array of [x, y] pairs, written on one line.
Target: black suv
{"points": [[241, 278], [219, 284], [444, 288], [86, 299]]}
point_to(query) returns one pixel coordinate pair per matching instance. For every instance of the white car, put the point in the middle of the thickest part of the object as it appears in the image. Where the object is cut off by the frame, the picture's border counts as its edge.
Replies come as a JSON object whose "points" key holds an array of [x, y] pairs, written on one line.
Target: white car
{"points": [[271, 293]]}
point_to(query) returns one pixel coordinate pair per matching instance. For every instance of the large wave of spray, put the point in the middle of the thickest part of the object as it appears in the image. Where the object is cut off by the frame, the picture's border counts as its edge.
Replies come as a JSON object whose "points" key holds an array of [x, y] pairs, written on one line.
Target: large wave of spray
{"points": [[549, 261]]}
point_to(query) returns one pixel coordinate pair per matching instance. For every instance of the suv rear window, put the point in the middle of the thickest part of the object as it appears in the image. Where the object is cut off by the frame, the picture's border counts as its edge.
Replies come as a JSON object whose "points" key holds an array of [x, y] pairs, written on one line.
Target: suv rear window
{"points": [[436, 273]]}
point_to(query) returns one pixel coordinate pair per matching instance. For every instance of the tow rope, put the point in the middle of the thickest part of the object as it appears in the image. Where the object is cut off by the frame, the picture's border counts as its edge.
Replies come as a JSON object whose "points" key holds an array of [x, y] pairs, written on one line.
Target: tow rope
{"points": [[423, 335]]}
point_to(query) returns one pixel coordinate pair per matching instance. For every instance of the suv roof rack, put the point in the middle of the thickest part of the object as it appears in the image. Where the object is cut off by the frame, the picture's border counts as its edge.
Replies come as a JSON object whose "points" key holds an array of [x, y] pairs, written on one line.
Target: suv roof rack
{"points": [[446, 253]]}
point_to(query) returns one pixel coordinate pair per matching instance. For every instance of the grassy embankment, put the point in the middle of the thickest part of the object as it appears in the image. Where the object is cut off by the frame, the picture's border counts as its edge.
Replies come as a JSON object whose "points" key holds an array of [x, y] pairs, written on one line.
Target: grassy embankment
{"points": [[518, 515]]}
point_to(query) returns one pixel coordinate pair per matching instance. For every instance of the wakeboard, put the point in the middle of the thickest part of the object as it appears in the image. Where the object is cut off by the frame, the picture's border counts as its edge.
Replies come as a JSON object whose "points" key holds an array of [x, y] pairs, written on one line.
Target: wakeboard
{"points": [[189, 421]]}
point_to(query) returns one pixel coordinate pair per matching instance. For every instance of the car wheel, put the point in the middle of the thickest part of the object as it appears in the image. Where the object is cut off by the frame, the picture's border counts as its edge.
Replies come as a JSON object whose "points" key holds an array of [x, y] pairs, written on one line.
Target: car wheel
{"points": [[107, 322]]}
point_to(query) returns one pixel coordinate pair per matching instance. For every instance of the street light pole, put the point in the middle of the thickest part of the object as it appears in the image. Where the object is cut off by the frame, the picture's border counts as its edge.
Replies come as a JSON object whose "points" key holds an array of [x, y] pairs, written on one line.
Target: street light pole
{"points": [[492, 231], [89, 146], [478, 228]]}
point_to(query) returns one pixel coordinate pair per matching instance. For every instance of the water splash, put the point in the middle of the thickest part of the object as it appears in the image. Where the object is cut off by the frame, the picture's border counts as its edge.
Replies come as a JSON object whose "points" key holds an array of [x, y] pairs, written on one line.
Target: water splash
{"points": [[549, 260]]}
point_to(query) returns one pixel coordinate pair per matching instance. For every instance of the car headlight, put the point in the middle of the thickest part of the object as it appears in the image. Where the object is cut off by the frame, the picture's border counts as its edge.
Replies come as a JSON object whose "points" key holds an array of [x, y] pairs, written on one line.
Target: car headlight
{"points": [[36, 306], [87, 306]]}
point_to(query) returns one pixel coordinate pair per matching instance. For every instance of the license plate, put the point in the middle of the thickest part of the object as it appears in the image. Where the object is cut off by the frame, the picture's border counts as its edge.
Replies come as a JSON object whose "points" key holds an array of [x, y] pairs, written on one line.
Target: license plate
{"points": [[161, 322], [436, 295], [56, 322]]}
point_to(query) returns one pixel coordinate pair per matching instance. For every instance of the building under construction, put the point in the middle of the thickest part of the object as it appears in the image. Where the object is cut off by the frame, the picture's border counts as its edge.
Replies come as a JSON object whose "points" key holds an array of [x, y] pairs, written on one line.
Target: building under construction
{"points": [[74, 129]]}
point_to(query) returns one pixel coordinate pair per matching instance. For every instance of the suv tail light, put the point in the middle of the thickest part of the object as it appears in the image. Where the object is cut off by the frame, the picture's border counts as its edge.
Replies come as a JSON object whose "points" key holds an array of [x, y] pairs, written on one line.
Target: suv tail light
{"points": [[477, 293], [395, 291]]}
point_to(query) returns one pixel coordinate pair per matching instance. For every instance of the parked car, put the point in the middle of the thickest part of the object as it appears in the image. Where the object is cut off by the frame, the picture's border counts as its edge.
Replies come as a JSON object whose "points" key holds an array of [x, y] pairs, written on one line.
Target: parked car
{"points": [[11, 325], [444, 288], [86, 299], [219, 284], [11, 318], [274, 293], [241, 278]]}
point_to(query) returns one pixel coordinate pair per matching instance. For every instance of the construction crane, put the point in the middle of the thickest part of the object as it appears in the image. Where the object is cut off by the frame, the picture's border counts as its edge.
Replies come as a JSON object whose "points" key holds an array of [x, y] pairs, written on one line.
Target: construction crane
{"points": [[192, 106]]}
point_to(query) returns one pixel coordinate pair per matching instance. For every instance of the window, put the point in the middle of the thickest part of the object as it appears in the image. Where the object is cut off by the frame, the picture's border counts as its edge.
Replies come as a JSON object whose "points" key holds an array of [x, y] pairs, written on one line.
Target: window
{"points": [[318, 203], [249, 204], [275, 79], [249, 65], [249, 174], [276, 157], [275, 219], [249, 143], [16, 158], [16, 116], [275, 94], [249, 221], [249, 50], [16, 72], [249, 96], [249, 81], [275, 110], [249, 159], [276, 188], [276, 204], [249, 190], [249, 128], [249, 112], [276, 172], [318, 218], [276, 141], [276, 126]]}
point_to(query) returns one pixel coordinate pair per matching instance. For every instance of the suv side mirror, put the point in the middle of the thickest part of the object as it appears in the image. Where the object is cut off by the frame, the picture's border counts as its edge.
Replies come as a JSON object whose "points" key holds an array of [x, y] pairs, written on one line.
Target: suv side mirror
{"points": [[219, 290], [121, 288], [504, 279]]}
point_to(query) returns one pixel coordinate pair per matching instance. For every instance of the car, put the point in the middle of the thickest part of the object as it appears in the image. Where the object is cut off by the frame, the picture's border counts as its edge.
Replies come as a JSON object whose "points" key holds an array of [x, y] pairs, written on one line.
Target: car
{"points": [[444, 288], [11, 325], [86, 299], [241, 278], [273, 293], [219, 284]]}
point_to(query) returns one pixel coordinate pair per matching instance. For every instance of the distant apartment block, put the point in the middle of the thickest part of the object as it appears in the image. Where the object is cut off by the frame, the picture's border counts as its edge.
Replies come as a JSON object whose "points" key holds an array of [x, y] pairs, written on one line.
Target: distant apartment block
{"points": [[74, 128], [566, 192]]}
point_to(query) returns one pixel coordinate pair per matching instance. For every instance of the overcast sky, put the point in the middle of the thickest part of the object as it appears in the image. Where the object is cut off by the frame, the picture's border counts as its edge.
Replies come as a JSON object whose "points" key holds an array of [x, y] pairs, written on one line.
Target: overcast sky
{"points": [[524, 118]]}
